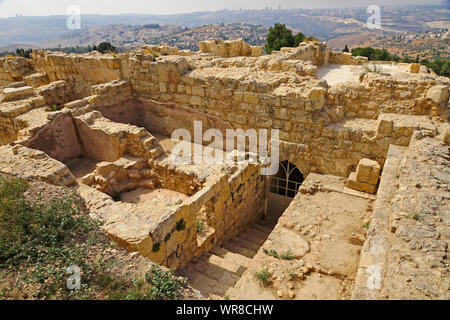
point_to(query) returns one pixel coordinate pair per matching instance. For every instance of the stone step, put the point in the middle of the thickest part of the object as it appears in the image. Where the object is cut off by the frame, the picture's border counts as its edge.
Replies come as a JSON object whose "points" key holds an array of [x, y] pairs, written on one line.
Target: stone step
{"points": [[239, 250], [231, 256], [201, 282], [225, 277], [268, 225], [246, 242], [254, 237], [11, 94], [258, 232], [263, 228], [231, 266]]}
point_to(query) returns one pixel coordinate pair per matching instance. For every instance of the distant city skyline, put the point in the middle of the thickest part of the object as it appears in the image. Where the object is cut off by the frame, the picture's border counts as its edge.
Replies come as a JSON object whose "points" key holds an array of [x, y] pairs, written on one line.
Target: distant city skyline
{"points": [[10, 8]]}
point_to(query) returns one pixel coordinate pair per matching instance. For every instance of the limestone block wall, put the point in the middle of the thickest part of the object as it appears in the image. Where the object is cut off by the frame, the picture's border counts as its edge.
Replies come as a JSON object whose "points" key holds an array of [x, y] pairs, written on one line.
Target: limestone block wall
{"points": [[81, 71], [13, 69], [274, 91], [229, 48], [94, 137], [304, 118], [346, 58], [58, 140], [36, 80], [169, 176], [104, 140], [384, 94], [130, 173], [164, 49], [56, 93], [9, 129], [317, 53], [102, 96], [178, 247], [26, 163]]}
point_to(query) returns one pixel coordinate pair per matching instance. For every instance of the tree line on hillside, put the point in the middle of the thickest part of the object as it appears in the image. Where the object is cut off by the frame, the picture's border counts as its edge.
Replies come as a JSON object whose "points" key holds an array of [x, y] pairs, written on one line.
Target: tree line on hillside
{"points": [[102, 47], [440, 66]]}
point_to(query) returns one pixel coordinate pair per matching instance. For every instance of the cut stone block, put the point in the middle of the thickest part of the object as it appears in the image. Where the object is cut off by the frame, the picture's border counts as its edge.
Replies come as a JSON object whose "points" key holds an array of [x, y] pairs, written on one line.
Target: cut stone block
{"points": [[368, 171], [414, 68], [438, 94], [13, 93], [385, 127], [354, 184], [447, 137]]}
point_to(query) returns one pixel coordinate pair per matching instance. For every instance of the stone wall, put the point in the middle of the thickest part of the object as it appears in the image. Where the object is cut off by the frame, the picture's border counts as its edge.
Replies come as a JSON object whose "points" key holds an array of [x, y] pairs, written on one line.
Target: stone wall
{"points": [[227, 214], [81, 71], [317, 53], [26, 163], [229, 48], [56, 93], [346, 58], [384, 94], [58, 140], [9, 129], [13, 69], [277, 91]]}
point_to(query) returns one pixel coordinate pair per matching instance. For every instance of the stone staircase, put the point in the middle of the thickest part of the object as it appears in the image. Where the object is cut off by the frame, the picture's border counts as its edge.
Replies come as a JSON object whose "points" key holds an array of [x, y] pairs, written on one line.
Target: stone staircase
{"points": [[216, 273]]}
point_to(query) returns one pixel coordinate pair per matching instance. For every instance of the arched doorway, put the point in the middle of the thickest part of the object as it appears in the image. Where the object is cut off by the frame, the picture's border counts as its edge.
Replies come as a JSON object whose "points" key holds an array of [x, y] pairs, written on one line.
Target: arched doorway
{"points": [[287, 181], [284, 187]]}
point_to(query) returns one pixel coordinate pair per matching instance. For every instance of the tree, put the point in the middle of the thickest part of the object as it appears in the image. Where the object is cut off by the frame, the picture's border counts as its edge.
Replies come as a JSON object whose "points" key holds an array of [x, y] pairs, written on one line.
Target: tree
{"points": [[278, 37], [445, 69], [439, 65], [106, 47], [346, 49], [24, 53], [299, 38]]}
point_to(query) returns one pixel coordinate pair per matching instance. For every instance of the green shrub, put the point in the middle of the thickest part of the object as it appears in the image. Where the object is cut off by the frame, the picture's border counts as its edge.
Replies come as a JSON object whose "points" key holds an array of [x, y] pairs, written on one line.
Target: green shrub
{"points": [[136, 291], [156, 247], [200, 224], [263, 277], [38, 232], [286, 255], [181, 225], [105, 47], [164, 284], [46, 238], [373, 68], [271, 253], [24, 53], [55, 108], [39, 240]]}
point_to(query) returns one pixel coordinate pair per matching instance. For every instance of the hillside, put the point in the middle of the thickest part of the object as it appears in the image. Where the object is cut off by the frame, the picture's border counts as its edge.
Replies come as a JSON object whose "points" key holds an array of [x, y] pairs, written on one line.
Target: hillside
{"points": [[182, 37], [325, 24]]}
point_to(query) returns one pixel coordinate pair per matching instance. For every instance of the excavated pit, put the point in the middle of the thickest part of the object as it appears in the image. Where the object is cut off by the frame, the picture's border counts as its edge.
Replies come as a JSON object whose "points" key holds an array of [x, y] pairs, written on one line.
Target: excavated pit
{"points": [[81, 166]]}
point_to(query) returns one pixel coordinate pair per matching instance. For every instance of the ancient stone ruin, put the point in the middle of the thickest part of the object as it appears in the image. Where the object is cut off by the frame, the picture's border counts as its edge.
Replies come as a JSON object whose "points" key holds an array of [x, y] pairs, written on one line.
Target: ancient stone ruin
{"points": [[359, 208]]}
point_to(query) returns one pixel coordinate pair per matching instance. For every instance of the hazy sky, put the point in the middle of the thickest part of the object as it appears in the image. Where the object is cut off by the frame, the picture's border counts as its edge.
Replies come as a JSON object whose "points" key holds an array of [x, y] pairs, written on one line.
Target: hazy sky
{"points": [[10, 8]]}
